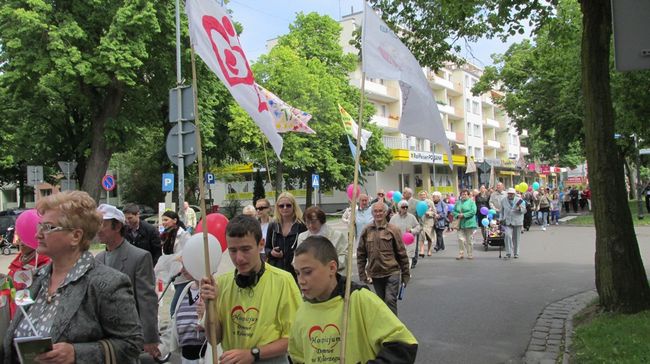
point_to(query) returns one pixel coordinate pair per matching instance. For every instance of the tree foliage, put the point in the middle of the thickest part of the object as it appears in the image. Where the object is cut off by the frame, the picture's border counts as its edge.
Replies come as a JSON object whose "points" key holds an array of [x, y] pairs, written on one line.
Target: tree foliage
{"points": [[84, 80]]}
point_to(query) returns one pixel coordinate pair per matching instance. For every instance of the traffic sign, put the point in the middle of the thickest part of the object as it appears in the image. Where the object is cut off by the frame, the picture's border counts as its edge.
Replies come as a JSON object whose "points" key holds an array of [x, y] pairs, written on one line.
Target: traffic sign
{"points": [[209, 178], [34, 175], [315, 181], [644, 151], [189, 143], [108, 183], [168, 182], [67, 168], [187, 104]]}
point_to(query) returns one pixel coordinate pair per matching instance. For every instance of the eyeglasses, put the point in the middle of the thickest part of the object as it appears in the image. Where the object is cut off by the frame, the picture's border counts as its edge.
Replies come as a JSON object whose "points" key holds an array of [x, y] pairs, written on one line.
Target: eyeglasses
{"points": [[404, 207], [312, 221], [285, 206], [380, 194], [49, 228], [261, 208]]}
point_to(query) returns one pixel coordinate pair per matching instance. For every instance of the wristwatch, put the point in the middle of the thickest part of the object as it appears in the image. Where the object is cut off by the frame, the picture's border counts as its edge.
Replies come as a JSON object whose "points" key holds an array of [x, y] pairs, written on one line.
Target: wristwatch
{"points": [[256, 353]]}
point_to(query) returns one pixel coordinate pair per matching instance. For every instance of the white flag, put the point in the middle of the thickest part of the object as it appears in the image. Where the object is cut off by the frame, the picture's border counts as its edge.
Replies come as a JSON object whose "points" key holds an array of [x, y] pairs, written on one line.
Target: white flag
{"points": [[215, 40], [287, 118], [384, 56]]}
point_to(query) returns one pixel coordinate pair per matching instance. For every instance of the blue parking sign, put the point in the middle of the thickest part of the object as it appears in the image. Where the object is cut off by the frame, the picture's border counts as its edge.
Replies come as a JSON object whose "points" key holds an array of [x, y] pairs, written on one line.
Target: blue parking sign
{"points": [[168, 182], [209, 178]]}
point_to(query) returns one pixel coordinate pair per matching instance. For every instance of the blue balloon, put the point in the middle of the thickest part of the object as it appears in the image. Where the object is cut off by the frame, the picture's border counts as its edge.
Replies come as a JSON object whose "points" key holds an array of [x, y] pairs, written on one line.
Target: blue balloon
{"points": [[535, 186], [492, 211], [450, 206], [397, 196], [485, 222], [490, 216], [421, 208]]}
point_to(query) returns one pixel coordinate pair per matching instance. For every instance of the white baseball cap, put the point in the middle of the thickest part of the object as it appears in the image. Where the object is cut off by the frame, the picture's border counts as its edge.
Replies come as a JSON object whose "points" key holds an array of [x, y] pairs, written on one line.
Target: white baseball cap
{"points": [[511, 190], [111, 212]]}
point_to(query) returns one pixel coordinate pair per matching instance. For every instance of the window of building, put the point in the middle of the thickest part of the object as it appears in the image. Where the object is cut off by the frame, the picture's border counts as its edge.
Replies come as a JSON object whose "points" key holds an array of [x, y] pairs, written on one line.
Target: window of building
{"points": [[478, 154], [417, 169], [477, 130], [475, 108], [467, 107], [467, 84], [383, 110], [469, 129], [470, 151]]}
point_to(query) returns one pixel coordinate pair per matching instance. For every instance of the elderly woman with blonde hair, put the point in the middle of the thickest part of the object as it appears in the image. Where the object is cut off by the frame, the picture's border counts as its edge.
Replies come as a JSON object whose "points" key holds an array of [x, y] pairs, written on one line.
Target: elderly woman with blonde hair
{"points": [[282, 233], [86, 308]]}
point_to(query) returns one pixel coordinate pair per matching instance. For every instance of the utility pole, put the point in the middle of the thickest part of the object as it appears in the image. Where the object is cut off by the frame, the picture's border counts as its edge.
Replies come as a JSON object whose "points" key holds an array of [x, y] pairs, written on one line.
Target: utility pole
{"points": [[179, 81]]}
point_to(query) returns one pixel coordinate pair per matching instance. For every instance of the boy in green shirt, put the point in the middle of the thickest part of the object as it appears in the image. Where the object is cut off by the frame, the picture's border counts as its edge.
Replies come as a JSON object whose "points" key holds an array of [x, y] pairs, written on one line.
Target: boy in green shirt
{"points": [[375, 334]]}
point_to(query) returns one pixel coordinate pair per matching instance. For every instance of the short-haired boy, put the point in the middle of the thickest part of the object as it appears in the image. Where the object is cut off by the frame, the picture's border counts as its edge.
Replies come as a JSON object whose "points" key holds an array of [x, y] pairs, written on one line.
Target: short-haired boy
{"points": [[374, 332], [257, 302]]}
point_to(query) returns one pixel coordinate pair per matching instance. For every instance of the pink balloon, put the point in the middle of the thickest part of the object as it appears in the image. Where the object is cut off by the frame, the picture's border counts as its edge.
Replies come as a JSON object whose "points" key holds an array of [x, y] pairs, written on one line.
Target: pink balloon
{"points": [[452, 200], [26, 225], [530, 189], [350, 191], [408, 238], [389, 195], [216, 223]]}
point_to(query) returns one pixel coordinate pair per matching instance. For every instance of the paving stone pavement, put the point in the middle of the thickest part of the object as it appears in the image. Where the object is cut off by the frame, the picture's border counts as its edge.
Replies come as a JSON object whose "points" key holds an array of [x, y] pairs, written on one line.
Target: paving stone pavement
{"points": [[551, 336]]}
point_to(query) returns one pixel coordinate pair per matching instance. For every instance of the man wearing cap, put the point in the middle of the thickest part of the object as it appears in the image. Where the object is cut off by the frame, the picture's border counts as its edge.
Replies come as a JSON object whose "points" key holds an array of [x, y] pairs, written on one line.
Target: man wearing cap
{"points": [[137, 265], [513, 209]]}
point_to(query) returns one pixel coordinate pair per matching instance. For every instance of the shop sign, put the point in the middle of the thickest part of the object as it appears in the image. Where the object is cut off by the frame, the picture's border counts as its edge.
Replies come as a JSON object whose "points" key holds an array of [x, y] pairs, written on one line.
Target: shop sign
{"points": [[425, 157]]}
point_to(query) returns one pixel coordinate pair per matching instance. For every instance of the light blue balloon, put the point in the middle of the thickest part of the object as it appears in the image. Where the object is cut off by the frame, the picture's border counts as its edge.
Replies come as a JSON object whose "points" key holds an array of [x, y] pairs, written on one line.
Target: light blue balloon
{"points": [[421, 208], [485, 222], [492, 211], [397, 196], [535, 186], [450, 206], [490, 216]]}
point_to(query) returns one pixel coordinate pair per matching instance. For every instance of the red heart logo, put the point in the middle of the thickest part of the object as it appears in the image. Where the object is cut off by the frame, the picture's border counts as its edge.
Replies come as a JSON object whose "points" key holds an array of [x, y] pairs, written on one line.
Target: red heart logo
{"points": [[246, 318], [322, 338], [230, 55]]}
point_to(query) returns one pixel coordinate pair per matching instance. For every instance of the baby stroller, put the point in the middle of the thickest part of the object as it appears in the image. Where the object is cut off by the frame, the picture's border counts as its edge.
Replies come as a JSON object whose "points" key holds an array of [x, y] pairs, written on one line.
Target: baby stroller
{"points": [[495, 236], [6, 241]]}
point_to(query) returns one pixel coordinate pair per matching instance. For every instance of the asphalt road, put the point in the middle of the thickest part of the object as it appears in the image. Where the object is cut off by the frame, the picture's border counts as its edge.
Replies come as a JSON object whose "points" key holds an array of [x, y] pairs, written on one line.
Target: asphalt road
{"points": [[482, 311]]}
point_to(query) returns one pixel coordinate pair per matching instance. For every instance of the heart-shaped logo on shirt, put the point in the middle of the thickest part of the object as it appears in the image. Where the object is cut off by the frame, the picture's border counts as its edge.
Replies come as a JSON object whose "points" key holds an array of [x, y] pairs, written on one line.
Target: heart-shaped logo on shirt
{"points": [[323, 338], [244, 317]]}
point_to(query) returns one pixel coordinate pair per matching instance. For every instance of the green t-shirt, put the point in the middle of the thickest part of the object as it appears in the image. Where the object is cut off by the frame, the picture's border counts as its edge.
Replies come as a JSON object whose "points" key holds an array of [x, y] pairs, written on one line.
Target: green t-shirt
{"points": [[316, 334], [254, 317]]}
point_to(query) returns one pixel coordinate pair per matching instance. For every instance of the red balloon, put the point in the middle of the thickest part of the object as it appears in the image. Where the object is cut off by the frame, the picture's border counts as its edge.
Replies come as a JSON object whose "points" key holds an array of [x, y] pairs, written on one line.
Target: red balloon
{"points": [[216, 226]]}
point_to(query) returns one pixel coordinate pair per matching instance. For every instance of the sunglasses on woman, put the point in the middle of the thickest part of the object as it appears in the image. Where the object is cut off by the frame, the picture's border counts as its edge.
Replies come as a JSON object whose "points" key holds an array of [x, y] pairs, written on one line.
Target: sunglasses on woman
{"points": [[285, 206]]}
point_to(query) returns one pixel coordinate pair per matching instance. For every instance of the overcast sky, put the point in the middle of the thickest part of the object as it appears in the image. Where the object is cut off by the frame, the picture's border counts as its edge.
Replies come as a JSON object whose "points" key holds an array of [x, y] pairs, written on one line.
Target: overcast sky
{"points": [[264, 20]]}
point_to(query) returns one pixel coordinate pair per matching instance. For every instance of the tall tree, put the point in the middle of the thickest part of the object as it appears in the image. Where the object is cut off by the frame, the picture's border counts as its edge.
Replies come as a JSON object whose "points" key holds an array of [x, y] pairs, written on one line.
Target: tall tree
{"points": [[620, 277], [83, 80]]}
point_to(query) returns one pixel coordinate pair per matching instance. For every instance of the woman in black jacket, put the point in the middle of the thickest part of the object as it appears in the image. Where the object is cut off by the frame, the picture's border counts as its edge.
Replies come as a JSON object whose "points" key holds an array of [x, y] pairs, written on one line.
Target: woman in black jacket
{"points": [[282, 233]]}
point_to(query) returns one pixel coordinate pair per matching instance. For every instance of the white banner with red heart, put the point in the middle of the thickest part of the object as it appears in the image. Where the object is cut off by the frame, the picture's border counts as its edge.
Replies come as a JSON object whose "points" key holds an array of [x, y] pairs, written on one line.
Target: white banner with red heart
{"points": [[215, 40]]}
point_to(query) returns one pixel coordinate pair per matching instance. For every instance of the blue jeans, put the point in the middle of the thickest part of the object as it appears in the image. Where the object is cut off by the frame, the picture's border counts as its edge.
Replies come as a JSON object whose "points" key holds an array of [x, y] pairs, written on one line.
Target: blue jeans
{"points": [[543, 215], [555, 216]]}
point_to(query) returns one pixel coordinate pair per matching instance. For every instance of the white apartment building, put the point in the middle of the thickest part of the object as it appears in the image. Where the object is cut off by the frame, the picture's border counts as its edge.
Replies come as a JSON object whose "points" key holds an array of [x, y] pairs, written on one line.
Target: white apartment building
{"points": [[475, 127]]}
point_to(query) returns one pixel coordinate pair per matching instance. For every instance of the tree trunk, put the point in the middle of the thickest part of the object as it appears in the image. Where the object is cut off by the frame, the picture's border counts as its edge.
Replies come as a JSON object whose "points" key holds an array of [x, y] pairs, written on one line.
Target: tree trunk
{"points": [[100, 151], [620, 276]]}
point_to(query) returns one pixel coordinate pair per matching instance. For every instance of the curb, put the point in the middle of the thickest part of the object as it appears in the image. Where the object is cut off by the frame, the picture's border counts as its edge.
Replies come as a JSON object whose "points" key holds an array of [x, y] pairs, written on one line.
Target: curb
{"points": [[551, 336]]}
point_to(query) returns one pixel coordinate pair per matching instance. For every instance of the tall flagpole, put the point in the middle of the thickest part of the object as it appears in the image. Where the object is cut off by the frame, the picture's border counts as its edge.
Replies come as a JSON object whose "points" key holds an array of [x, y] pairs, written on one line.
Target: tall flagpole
{"points": [[353, 210], [210, 305]]}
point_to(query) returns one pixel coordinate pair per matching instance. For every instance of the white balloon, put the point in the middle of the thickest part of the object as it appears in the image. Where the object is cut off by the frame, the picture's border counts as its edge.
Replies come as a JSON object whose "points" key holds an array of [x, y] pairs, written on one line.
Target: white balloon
{"points": [[193, 257]]}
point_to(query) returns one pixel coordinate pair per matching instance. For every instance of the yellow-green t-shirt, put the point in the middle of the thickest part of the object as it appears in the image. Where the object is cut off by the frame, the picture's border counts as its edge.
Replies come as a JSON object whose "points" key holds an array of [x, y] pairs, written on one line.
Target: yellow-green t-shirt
{"points": [[316, 334], [255, 316]]}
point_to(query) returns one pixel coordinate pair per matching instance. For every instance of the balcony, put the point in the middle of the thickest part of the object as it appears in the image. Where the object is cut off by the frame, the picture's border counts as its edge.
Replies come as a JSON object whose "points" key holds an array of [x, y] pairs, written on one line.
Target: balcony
{"points": [[487, 99], [524, 150], [395, 142], [491, 123], [524, 133], [447, 109], [492, 144], [437, 83], [378, 92]]}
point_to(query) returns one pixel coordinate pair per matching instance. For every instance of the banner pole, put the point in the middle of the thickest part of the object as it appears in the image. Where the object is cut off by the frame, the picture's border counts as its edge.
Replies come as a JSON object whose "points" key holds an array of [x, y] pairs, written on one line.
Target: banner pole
{"points": [[353, 210], [210, 305]]}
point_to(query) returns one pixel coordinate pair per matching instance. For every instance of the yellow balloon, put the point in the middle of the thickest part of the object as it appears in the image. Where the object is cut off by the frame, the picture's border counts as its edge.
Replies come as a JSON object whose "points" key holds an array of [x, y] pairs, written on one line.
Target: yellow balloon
{"points": [[523, 187]]}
